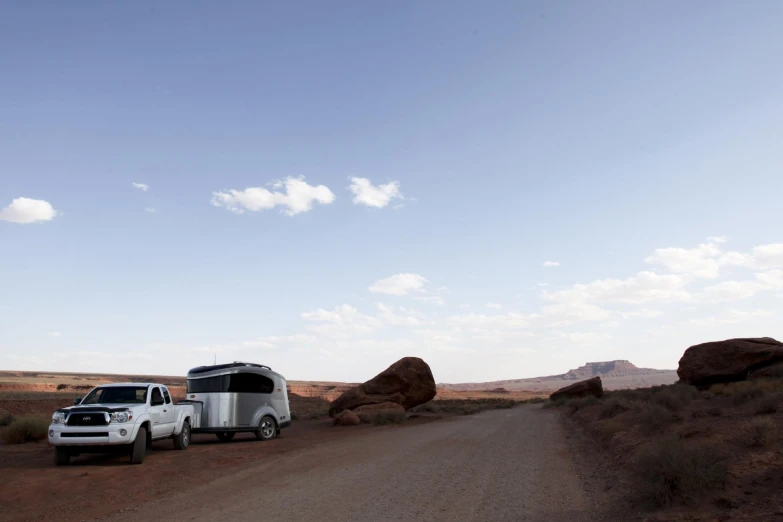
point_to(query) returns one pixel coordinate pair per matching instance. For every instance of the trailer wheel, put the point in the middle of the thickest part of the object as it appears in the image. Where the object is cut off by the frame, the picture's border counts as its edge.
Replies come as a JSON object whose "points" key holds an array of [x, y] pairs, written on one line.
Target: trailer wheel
{"points": [[267, 428], [139, 447], [61, 457], [182, 440], [225, 436]]}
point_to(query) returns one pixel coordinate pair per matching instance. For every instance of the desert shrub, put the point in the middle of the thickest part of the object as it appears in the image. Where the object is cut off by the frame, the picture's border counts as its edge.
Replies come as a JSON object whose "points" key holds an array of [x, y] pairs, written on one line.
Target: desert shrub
{"points": [[671, 470], [386, 417], [768, 405], [759, 432], [554, 404], [464, 406], [676, 396], [615, 406], [712, 411], [535, 400], [607, 430], [6, 419], [654, 418], [746, 391], [25, 429], [574, 405]]}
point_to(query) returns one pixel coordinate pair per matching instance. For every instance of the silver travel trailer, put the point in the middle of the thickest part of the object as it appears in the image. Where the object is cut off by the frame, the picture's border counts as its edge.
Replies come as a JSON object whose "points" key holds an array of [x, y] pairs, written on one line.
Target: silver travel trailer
{"points": [[238, 397]]}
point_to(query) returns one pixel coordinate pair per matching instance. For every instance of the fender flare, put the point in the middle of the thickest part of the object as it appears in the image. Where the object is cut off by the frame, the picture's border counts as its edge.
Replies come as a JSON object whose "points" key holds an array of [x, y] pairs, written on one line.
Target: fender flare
{"points": [[181, 418], [143, 419], [265, 410]]}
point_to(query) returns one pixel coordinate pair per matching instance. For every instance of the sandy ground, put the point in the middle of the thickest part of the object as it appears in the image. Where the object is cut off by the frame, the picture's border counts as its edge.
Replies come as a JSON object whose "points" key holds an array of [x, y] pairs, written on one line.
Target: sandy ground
{"points": [[500, 465], [496, 465]]}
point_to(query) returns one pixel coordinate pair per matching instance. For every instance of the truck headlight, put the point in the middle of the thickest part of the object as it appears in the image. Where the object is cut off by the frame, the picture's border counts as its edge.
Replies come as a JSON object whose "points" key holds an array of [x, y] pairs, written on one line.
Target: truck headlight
{"points": [[121, 416], [58, 417]]}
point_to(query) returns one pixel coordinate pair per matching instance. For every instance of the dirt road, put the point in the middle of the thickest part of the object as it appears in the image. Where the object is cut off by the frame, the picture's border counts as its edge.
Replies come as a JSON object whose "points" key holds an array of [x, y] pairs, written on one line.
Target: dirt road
{"points": [[495, 466]]}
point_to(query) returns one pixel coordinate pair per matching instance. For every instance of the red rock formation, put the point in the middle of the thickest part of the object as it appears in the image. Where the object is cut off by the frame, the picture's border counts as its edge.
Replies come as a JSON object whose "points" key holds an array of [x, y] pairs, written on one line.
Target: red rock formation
{"points": [[584, 388], [408, 382], [728, 361]]}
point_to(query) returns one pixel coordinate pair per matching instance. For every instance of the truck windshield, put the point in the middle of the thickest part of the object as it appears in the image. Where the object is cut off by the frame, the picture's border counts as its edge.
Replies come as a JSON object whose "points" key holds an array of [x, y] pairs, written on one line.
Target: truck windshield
{"points": [[117, 395]]}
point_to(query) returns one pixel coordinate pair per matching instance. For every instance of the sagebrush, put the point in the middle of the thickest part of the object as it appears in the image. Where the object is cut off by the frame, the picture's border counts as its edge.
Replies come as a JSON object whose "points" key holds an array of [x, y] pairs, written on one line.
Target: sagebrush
{"points": [[25, 429], [671, 470]]}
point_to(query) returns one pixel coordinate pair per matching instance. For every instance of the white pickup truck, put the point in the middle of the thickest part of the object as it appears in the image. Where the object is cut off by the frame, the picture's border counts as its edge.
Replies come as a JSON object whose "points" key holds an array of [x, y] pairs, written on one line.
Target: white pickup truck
{"points": [[119, 417]]}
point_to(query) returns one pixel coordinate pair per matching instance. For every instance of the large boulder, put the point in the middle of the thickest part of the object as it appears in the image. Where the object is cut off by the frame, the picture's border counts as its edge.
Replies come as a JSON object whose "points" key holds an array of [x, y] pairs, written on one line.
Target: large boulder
{"points": [[589, 387], [346, 418], [728, 361], [408, 382], [369, 412]]}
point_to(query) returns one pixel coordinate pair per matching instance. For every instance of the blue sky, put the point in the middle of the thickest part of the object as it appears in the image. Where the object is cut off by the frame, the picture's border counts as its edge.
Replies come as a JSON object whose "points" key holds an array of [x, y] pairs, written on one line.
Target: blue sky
{"points": [[482, 140]]}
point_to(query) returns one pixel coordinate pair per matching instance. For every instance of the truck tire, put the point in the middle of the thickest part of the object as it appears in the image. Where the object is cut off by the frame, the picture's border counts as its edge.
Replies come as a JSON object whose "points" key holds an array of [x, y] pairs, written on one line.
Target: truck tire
{"points": [[267, 428], [182, 440], [139, 447], [61, 457], [225, 436]]}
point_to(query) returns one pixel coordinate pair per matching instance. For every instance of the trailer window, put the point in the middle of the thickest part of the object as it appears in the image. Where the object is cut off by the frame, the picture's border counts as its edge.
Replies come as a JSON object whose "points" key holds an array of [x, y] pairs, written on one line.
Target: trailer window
{"points": [[209, 385], [250, 383]]}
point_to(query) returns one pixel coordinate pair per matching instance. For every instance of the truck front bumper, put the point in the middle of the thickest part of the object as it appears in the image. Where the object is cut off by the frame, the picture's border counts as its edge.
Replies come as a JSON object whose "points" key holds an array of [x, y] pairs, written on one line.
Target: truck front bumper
{"points": [[114, 434]]}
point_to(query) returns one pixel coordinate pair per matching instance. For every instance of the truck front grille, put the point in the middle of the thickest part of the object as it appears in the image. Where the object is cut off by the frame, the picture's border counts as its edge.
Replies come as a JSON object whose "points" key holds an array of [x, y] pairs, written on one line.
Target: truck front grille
{"points": [[86, 419]]}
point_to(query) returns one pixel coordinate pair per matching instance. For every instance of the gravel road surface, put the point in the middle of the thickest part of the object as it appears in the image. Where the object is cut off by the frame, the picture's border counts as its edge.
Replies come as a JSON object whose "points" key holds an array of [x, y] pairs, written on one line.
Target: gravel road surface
{"points": [[502, 465]]}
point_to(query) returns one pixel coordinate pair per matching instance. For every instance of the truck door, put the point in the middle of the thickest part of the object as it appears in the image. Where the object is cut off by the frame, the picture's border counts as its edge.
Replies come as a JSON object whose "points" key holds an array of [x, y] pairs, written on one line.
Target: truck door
{"points": [[168, 417], [157, 405]]}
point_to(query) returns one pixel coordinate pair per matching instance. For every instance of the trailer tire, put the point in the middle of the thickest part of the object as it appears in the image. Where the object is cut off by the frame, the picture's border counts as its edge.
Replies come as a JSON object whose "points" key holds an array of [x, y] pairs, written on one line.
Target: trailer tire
{"points": [[182, 440], [225, 436], [139, 447], [61, 457], [267, 428]]}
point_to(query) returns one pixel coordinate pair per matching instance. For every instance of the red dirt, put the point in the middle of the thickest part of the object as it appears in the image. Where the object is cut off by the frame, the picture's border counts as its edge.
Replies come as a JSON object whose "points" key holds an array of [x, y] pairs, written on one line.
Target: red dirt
{"points": [[97, 485]]}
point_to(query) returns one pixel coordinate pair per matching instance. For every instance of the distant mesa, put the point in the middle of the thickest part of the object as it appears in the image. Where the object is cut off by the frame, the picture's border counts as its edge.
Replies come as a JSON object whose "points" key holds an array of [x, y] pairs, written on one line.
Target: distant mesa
{"points": [[618, 374]]}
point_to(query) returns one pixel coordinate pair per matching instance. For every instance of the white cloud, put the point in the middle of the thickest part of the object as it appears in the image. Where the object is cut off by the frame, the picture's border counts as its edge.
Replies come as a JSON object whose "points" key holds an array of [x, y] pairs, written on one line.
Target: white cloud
{"points": [[735, 290], [343, 321], [54, 334], [26, 210], [141, 186], [645, 313], [399, 284], [717, 239], [150, 210], [701, 261], [644, 287], [378, 196], [549, 264], [495, 306], [562, 314], [508, 321], [731, 317], [431, 299], [398, 316], [761, 257], [298, 197], [585, 338]]}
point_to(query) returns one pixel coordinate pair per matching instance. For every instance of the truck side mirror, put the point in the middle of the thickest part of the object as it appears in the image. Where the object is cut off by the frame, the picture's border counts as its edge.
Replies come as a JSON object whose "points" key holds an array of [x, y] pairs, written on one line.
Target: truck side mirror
{"points": [[77, 400], [156, 402]]}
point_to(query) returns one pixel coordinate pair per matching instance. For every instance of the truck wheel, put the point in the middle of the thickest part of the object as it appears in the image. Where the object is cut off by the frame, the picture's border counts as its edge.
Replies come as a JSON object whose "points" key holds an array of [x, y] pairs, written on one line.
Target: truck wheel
{"points": [[61, 457], [182, 440], [267, 428], [225, 436], [139, 447]]}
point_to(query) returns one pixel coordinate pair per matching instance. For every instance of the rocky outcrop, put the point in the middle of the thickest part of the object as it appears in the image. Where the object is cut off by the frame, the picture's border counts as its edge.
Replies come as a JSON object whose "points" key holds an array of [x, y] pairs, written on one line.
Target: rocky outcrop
{"points": [[729, 361], [368, 412], [346, 418], [408, 382], [586, 388]]}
